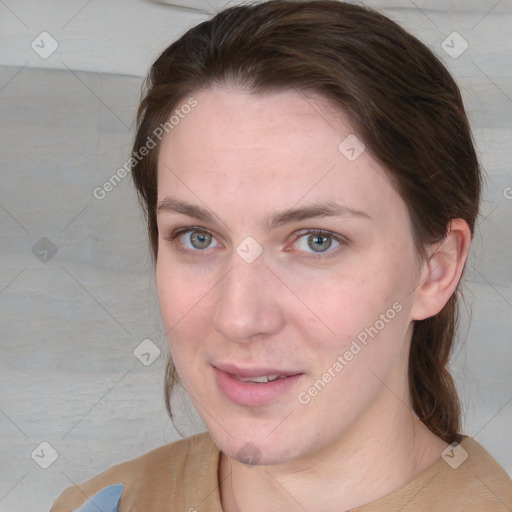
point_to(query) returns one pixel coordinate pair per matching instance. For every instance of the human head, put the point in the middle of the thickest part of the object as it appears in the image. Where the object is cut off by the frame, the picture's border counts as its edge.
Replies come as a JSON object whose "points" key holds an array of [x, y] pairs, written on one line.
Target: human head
{"points": [[401, 102]]}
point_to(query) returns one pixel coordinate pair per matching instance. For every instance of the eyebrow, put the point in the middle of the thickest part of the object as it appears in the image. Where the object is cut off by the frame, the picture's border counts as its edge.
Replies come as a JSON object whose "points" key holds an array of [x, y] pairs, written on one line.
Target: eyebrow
{"points": [[308, 211], [172, 205]]}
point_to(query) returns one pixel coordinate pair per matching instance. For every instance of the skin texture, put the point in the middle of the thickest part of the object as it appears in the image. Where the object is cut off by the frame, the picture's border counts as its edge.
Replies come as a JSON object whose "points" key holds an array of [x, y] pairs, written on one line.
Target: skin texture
{"points": [[244, 157]]}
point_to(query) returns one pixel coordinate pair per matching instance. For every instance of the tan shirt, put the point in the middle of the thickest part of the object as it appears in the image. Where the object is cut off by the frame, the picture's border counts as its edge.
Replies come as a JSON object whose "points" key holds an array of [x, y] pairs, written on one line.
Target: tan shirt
{"points": [[182, 477]]}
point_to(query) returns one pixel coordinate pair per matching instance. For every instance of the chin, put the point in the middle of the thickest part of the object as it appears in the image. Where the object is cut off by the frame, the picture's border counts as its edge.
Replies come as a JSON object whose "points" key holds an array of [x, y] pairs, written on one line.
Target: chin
{"points": [[258, 449]]}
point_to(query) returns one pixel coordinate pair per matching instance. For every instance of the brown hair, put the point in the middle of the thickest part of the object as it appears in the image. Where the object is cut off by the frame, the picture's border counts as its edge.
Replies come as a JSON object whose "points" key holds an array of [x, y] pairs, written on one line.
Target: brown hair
{"points": [[402, 103]]}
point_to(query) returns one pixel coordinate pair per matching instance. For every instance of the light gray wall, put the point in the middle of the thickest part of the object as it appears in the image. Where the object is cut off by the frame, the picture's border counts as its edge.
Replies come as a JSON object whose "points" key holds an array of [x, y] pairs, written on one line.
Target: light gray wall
{"points": [[111, 36], [69, 325]]}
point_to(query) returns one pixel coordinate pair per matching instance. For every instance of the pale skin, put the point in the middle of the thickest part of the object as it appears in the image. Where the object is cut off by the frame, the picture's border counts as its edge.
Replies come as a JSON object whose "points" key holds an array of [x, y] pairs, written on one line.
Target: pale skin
{"points": [[243, 158]]}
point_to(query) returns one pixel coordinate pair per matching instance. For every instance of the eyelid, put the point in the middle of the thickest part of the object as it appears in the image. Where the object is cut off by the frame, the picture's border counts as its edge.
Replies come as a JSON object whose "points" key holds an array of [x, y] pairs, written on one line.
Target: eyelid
{"points": [[185, 229], [317, 231]]}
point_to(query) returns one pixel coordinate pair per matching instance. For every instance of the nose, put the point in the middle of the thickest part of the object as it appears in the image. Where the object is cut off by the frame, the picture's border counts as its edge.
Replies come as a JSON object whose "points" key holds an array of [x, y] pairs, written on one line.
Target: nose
{"points": [[247, 303]]}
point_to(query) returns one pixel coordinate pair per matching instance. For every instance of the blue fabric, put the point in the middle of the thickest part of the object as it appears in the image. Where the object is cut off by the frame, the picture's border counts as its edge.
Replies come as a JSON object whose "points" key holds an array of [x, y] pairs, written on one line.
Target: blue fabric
{"points": [[104, 501]]}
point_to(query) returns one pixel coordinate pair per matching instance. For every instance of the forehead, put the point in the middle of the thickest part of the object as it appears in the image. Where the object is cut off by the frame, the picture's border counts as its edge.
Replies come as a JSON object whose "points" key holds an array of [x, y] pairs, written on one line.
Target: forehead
{"points": [[235, 123], [269, 150]]}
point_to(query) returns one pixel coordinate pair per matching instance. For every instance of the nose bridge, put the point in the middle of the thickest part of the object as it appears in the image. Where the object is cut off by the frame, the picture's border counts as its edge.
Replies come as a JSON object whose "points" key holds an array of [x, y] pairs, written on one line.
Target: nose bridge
{"points": [[246, 304]]}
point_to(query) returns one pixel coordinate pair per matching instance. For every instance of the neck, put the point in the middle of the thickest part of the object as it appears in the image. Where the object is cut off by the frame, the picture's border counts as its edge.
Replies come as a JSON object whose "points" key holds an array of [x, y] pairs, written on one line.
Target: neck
{"points": [[364, 465]]}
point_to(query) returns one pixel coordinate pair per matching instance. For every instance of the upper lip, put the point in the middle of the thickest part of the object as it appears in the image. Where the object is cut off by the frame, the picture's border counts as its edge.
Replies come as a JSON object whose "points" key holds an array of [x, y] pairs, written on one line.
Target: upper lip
{"points": [[259, 371]]}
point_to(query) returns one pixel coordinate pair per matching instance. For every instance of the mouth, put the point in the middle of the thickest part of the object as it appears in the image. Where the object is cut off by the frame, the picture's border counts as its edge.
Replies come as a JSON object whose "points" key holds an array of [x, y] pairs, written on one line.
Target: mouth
{"points": [[253, 387]]}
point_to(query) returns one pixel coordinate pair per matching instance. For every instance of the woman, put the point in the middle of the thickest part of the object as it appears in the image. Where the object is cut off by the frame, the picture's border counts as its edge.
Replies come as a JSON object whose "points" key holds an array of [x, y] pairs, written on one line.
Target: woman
{"points": [[311, 198]]}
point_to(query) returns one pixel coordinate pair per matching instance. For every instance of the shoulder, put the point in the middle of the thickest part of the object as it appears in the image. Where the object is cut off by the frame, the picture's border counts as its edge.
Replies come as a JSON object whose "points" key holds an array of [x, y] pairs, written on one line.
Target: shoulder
{"points": [[480, 481], [466, 479], [157, 476]]}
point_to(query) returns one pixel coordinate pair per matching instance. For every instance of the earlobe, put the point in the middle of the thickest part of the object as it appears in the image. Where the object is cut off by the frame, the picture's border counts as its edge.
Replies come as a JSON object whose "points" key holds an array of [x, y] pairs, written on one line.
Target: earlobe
{"points": [[441, 271]]}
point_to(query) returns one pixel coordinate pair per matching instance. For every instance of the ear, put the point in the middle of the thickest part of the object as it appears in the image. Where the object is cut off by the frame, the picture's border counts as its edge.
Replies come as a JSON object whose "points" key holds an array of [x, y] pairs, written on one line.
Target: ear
{"points": [[441, 272]]}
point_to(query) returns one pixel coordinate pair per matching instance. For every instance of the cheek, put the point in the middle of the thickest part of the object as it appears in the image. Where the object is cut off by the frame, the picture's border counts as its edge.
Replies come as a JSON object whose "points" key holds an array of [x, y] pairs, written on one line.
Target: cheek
{"points": [[181, 290], [341, 302], [365, 305], [347, 368], [170, 287], [183, 304]]}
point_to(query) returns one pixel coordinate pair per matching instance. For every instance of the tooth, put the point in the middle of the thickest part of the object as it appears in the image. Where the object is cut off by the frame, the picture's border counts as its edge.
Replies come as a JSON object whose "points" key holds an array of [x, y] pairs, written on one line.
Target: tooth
{"points": [[262, 379], [258, 379]]}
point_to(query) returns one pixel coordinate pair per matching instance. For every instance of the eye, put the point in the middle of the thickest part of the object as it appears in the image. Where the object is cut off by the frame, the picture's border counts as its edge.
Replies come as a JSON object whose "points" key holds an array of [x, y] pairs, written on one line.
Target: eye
{"points": [[194, 239], [317, 241]]}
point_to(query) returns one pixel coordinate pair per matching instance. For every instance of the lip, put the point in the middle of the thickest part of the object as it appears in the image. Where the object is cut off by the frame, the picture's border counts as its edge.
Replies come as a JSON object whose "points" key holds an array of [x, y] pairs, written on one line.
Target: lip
{"points": [[252, 394], [254, 371]]}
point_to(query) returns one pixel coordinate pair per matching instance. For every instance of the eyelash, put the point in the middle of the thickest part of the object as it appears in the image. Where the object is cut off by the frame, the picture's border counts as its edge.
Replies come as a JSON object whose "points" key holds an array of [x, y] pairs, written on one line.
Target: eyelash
{"points": [[302, 233]]}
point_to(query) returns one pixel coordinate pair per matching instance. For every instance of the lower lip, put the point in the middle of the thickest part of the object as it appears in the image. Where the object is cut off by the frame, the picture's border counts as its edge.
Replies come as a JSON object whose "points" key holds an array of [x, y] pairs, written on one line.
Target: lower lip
{"points": [[253, 394]]}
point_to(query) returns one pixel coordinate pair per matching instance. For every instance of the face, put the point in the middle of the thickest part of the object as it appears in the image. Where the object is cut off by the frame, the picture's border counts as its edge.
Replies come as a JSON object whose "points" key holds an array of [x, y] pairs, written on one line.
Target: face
{"points": [[281, 255]]}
